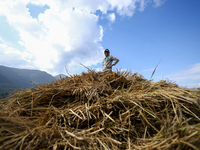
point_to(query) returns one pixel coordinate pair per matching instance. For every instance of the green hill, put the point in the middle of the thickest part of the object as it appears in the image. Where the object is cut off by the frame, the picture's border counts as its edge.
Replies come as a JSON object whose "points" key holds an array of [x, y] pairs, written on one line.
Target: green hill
{"points": [[6, 85], [13, 78]]}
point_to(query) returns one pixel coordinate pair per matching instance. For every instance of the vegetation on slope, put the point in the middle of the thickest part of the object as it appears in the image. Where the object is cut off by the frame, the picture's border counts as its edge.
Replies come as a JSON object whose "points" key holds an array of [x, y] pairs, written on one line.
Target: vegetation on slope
{"points": [[12, 78]]}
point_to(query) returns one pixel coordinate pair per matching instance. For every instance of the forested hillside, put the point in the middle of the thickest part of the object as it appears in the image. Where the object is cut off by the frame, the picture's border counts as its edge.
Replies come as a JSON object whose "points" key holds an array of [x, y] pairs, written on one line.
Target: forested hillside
{"points": [[13, 78]]}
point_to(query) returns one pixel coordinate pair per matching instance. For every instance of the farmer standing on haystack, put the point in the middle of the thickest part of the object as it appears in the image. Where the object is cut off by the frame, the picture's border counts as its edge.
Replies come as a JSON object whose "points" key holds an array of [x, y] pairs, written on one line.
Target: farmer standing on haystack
{"points": [[107, 61]]}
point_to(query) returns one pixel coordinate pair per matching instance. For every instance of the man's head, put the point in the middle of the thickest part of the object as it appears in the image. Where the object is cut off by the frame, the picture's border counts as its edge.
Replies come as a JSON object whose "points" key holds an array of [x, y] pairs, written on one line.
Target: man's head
{"points": [[106, 52]]}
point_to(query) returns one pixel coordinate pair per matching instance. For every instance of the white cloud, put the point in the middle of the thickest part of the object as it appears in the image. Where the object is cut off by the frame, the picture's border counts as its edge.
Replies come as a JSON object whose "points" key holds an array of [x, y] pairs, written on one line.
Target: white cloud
{"points": [[191, 85], [189, 77], [57, 38], [142, 5], [192, 73], [2, 40], [158, 2], [11, 56], [66, 34], [111, 17], [98, 69]]}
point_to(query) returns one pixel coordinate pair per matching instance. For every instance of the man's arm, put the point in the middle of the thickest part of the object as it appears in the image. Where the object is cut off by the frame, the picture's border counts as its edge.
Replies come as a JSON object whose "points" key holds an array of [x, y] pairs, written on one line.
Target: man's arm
{"points": [[116, 61]]}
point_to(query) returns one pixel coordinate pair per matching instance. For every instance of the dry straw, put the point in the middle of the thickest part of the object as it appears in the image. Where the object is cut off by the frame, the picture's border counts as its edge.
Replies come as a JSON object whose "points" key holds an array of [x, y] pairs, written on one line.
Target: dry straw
{"points": [[94, 110]]}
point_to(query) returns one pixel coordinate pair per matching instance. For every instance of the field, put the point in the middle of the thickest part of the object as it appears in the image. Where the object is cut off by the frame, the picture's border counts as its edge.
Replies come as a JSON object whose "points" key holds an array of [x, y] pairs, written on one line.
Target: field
{"points": [[94, 110]]}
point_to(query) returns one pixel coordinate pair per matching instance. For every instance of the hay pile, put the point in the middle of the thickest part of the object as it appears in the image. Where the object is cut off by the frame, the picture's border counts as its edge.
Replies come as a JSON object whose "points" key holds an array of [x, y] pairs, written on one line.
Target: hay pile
{"points": [[118, 110]]}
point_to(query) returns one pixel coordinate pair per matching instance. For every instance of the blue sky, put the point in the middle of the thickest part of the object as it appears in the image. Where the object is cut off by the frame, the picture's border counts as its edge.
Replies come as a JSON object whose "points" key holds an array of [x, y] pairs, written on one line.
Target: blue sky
{"points": [[50, 36]]}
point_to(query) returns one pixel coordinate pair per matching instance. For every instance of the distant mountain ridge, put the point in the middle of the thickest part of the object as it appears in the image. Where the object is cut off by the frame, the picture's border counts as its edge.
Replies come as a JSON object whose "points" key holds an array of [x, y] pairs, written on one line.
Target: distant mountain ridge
{"points": [[14, 78], [60, 76]]}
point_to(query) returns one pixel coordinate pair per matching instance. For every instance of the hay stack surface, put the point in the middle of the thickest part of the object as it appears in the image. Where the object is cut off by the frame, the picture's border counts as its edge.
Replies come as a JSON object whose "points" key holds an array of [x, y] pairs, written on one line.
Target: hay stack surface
{"points": [[94, 110]]}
